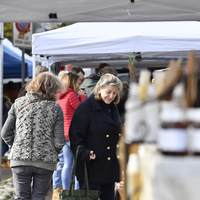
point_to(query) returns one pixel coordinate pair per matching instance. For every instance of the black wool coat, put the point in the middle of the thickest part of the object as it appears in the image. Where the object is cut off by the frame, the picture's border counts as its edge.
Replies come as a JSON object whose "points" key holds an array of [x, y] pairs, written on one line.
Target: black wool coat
{"points": [[96, 131]]}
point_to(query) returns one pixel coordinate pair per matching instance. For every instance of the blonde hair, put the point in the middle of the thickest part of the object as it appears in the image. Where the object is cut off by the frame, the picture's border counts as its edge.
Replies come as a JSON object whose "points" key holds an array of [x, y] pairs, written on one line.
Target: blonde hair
{"points": [[106, 80], [46, 83], [70, 80], [61, 74]]}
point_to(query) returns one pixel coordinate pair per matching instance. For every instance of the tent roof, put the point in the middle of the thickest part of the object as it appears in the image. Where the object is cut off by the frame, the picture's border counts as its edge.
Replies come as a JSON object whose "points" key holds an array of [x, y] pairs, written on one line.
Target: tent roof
{"points": [[95, 11], [119, 39], [12, 61]]}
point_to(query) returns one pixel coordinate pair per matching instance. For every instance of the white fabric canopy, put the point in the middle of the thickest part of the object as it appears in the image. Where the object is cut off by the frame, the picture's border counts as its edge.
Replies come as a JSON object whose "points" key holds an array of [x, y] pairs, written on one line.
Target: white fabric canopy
{"points": [[117, 40], [95, 11]]}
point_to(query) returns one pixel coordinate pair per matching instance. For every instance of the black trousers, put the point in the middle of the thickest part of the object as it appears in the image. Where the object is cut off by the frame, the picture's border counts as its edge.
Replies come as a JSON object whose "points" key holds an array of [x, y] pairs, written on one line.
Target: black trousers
{"points": [[22, 178]]}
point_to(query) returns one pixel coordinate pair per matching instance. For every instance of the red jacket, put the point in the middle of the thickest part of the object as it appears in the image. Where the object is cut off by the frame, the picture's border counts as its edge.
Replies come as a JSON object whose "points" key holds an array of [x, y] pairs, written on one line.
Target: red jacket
{"points": [[69, 102]]}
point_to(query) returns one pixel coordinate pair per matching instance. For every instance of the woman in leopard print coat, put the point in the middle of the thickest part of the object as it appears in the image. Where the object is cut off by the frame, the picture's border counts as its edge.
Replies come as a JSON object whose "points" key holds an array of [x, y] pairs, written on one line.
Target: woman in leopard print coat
{"points": [[34, 131]]}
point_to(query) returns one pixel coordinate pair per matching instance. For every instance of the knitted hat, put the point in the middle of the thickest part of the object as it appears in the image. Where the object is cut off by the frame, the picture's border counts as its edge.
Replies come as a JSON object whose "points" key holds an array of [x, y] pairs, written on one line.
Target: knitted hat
{"points": [[68, 67]]}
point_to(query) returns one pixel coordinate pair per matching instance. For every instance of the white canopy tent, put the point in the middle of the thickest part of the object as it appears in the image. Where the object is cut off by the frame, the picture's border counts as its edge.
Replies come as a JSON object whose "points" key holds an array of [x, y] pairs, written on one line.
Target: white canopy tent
{"points": [[116, 41], [95, 11], [119, 39]]}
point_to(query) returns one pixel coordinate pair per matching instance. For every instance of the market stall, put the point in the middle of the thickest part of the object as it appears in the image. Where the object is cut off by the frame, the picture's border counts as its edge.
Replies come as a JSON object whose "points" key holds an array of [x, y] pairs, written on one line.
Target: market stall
{"points": [[107, 39], [112, 10], [143, 112], [86, 42], [13, 60], [161, 146]]}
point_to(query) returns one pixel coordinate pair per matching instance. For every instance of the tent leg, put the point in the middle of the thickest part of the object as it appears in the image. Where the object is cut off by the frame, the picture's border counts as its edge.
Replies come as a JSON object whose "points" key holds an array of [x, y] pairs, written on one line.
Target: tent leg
{"points": [[47, 65], [1, 88], [33, 69], [23, 66]]}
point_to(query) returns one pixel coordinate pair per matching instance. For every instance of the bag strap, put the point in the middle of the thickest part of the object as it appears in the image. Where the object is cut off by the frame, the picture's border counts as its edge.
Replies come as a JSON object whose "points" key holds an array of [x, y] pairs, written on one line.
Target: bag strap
{"points": [[31, 103], [86, 184], [74, 170]]}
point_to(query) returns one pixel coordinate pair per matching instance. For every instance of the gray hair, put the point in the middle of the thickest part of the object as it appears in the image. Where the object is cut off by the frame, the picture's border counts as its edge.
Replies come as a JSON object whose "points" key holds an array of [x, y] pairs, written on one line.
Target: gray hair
{"points": [[106, 80], [39, 69]]}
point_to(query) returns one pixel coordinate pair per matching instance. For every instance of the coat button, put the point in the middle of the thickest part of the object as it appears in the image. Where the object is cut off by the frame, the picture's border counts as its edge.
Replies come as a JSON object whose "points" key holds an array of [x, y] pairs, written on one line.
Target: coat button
{"points": [[108, 148], [107, 136], [120, 134], [117, 146], [109, 158]]}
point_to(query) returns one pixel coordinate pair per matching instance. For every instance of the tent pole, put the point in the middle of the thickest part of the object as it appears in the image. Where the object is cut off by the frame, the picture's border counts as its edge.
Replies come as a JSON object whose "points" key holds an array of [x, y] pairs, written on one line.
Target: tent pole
{"points": [[1, 87], [47, 65], [23, 66], [33, 68]]}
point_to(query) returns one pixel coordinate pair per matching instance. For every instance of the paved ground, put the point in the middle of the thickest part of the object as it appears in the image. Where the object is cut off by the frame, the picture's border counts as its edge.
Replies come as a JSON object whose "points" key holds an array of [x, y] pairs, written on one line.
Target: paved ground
{"points": [[49, 195], [6, 174]]}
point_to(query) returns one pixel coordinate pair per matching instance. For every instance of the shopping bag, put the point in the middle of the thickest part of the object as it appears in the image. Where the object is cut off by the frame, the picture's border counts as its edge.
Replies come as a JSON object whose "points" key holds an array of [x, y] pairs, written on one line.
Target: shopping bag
{"points": [[85, 194]]}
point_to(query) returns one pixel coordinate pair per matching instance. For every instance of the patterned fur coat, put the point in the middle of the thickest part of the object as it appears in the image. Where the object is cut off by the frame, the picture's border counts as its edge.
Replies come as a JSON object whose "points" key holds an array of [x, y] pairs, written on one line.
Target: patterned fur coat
{"points": [[39, 126]]}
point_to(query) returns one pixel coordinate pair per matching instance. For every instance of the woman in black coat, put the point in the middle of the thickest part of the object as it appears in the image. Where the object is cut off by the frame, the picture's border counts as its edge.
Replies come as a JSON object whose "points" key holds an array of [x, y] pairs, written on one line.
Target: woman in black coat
{"points": [[96, 125]]}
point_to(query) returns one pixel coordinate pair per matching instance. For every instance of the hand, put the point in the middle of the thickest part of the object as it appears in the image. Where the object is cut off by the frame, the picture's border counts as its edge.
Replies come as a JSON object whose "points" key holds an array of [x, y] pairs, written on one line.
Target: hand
{"points": [[81, 92], [92, 155]]}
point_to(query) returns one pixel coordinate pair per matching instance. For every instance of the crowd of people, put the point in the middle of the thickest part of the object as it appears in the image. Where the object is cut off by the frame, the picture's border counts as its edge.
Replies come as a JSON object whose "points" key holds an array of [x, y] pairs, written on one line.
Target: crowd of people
{"points": [[51, 117]]}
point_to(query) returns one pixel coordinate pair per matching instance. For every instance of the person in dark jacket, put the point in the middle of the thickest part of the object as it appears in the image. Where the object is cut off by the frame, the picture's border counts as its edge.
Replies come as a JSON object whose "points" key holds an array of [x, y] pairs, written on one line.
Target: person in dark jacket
{"points": [[90, 82], [96, 125]]}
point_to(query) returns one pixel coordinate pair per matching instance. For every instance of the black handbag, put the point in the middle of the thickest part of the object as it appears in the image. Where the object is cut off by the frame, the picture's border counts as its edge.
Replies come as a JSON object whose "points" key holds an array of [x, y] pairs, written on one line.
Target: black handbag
{"points": [[85, 194]]}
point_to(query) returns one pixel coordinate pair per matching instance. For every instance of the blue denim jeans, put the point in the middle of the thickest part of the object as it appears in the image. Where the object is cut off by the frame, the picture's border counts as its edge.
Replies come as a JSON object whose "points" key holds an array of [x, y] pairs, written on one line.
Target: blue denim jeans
{"points": [[67, 168], [57, 181], [106, 191], [62, 176]]}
